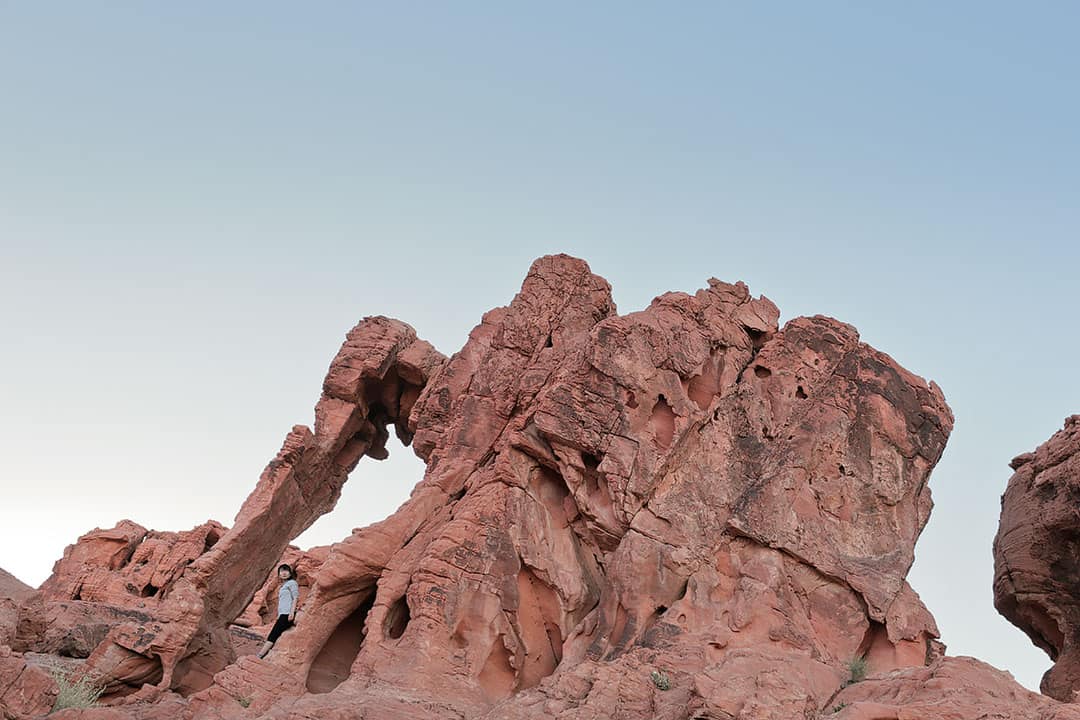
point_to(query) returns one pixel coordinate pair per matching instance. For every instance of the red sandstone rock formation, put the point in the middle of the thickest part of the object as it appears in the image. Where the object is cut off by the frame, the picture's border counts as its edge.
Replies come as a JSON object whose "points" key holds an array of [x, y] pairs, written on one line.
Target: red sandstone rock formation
{"points": [[1037, 555], [107, 578], [684, 512], [954, 687], [12, 588], [374, 381], [116, 576], [25, 690], [12, 592]]}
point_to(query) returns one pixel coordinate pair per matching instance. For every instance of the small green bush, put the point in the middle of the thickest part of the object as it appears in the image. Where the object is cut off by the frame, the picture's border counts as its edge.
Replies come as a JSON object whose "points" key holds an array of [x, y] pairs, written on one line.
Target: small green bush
{"points": [[660, 680], [856, 668], [80, 693], [245, 702]]}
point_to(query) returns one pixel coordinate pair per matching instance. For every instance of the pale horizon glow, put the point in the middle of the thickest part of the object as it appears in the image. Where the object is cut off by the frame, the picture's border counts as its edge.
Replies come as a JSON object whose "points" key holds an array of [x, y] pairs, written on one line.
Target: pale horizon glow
{"points": [[197, 203]]}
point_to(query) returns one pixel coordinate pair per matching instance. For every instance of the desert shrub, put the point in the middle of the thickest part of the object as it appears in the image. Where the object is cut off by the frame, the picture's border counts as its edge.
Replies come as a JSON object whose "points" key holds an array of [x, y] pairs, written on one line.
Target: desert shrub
{"points": [[74, 693], [660, 679], [856, 668]]}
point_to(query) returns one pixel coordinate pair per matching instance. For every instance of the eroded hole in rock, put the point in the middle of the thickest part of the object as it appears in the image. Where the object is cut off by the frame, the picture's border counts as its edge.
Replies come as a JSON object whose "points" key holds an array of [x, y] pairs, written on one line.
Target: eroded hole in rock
{"points": [[149, 591], [682, 592], [397, 619], [547, 343], [379, 489], [704, 386], [800, 393], [599, 505], [631, 399], [332, 664], [758, 338], [539, 614], [762, 372], [211, 540], [701, 390], [662, 423]]}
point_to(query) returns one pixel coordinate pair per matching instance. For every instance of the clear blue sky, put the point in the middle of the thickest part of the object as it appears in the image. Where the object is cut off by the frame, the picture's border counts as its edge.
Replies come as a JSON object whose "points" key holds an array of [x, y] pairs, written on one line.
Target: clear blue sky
{"points": [[196, 202]]}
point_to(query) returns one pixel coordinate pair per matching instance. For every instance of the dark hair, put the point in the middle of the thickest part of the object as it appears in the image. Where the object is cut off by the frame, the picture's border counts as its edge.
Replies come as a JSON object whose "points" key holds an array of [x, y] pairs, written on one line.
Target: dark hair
{"points": [[288, 568]]}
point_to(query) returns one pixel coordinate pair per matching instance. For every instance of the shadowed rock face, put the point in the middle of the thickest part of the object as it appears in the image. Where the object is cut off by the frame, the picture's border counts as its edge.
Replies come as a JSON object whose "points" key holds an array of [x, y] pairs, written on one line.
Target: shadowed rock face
{"points": [[683, 512], [1037, 555]]}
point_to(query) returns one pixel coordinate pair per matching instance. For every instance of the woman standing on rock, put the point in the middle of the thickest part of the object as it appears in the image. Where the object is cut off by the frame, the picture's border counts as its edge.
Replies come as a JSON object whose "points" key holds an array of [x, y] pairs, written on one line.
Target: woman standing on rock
{"points": [[288, 597]]}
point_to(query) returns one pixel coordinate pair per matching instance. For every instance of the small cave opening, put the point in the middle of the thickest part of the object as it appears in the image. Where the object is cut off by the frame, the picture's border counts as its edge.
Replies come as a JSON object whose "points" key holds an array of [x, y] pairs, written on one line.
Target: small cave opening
{"points": [[397, 619], [333, 663], [149, 590], [591, 473], [211, 540], [547, 343], [762, 372], [800, 393], [662, 422], [758, 338], [683, 590]]}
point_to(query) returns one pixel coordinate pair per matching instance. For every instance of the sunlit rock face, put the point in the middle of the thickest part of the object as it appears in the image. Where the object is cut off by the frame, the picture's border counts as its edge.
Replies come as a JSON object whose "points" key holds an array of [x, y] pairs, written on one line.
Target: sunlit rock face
{"points": [[682, 512]]}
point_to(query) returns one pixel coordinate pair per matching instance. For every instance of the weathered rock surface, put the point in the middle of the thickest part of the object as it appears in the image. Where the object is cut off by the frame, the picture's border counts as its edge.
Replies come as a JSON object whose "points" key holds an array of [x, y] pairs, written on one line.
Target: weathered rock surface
{"points": [[106, 578], [956, 688], [117, 576], [26, 690], [374, 381], [1037, 555], [12, 588], [683, 512], [12, 592]]}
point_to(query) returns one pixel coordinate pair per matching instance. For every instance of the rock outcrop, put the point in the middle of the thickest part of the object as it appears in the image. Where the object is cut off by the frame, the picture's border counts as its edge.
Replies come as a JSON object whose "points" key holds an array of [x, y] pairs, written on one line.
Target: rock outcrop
{"points": [[12, 588], [1037, 555], [12, 593], [954, 687], [106, 578], [374, 381], [683, 512], [27, 690]]}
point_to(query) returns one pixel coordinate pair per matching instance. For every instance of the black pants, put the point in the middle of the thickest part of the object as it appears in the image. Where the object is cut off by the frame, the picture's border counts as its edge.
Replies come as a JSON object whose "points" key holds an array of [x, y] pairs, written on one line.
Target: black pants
{"points": [[283, 623]]}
